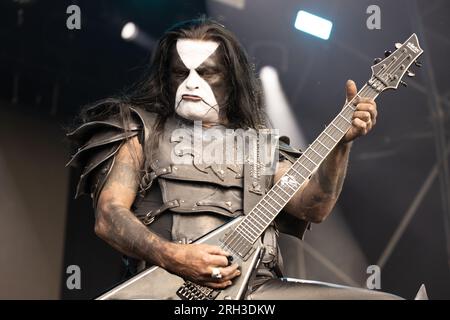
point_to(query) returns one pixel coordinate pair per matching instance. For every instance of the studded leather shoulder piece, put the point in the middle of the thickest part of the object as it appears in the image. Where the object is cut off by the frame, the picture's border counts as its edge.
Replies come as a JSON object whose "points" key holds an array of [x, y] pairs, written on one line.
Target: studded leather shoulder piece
{"points": [[286, 151], [98, 142]]}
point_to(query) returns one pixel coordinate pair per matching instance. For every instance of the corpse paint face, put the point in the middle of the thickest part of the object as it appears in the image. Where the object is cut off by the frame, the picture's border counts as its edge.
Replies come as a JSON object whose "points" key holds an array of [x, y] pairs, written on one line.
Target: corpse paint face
{"points": [[198, 73]]}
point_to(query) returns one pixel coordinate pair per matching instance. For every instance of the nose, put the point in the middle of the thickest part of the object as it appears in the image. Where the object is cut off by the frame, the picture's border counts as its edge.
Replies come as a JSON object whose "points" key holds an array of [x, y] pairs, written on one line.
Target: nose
{"points": [[192, 81]]}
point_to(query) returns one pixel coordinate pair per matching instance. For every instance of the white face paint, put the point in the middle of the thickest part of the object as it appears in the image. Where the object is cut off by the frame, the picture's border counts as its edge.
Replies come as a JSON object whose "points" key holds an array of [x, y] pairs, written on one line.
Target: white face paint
{"points": [[199, 102]]}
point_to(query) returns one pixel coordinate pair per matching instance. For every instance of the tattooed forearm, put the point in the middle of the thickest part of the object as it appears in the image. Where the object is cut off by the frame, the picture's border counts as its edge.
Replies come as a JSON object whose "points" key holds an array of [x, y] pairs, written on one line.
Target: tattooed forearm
{"points": [[317, 198], [115, 223], [331, 174], [123, 231]]}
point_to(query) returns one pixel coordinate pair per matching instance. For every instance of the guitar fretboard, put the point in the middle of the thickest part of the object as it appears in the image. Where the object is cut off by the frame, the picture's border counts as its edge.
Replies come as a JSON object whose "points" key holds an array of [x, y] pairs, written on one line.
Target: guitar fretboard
{"points": [[241, 239]]}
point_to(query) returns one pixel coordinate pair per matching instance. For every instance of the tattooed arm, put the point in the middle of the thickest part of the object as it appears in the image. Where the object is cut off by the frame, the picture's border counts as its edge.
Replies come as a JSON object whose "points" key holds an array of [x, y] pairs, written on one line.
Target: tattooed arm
{"points": [[315, 200], [118, 226], [317, 197], [115, 223]]}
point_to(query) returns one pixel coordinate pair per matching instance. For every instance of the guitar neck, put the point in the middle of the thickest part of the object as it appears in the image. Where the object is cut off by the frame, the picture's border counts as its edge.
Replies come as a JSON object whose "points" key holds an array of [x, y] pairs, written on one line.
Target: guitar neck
{"points": [[261, 216]]}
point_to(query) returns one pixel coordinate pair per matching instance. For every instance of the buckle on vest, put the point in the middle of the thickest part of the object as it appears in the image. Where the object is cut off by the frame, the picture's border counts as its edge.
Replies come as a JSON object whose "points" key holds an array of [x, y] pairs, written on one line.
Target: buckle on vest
{"points": [[152, 214]]}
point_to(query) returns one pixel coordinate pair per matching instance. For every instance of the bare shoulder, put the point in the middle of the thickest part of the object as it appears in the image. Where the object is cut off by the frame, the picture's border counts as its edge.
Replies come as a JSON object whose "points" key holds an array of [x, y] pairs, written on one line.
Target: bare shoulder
{"points": [[122, 183]]}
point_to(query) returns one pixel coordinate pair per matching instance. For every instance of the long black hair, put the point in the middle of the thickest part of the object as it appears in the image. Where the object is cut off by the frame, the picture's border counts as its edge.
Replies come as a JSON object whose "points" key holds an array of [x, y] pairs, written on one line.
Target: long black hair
{"points": [[245, 105]]}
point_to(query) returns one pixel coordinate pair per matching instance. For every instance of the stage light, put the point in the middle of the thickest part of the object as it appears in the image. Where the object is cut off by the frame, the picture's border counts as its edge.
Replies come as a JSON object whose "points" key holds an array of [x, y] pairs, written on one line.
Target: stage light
{"points": [[314, 25], [278, 109], [129, 31], [133, 34], [237, 4]]}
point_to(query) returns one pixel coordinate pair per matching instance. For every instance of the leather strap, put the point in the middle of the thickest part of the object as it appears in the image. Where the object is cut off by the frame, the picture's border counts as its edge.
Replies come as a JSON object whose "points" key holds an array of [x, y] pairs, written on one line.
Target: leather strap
{"points": [[151, 215]]}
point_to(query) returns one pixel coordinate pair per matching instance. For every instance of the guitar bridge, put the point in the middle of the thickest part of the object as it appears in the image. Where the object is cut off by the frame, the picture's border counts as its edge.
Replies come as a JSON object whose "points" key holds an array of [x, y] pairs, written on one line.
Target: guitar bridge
{"points": [[193, 291]]}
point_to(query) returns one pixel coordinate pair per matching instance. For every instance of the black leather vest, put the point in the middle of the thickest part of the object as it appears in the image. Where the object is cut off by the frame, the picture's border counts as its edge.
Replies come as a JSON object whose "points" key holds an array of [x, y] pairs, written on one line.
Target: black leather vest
{"points": [[187, 190]]}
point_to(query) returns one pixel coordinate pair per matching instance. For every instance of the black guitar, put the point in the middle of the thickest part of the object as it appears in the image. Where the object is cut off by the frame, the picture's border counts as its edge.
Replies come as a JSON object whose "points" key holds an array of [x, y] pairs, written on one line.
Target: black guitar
{"points": [[241, 236]]}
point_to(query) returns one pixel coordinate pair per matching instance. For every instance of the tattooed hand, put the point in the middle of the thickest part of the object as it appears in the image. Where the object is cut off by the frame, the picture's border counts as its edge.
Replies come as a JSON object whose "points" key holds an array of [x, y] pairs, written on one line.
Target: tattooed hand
{"points": [[196, 262]]}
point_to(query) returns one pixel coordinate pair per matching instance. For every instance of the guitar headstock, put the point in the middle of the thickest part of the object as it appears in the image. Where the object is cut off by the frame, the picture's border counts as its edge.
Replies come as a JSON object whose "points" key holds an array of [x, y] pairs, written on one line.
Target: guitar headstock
{"points": [[388, 73]]}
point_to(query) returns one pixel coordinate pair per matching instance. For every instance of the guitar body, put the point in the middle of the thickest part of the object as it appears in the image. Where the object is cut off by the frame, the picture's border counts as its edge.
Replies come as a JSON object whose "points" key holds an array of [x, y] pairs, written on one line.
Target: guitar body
{"points": [[156, 283]]}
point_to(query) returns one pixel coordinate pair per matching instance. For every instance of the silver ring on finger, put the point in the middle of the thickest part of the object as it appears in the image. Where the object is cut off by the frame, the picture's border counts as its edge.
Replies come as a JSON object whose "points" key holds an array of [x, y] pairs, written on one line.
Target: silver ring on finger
{"points": [[215, 274]]}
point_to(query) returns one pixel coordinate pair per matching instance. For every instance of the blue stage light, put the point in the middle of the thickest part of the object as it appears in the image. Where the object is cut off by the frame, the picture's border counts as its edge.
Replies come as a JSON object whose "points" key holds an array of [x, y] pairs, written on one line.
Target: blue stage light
{"points": [[314, 25]]}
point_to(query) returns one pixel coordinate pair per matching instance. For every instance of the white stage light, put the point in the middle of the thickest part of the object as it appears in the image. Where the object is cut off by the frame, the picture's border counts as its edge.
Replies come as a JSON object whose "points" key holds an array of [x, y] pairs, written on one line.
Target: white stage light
{"points": [[129, 31], [314, 25], [278, 108]]}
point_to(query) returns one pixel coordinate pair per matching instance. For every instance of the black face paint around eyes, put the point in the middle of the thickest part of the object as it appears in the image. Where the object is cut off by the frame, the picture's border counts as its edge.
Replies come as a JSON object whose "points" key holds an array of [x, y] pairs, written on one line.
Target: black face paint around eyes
{"points": [[213, 71]]}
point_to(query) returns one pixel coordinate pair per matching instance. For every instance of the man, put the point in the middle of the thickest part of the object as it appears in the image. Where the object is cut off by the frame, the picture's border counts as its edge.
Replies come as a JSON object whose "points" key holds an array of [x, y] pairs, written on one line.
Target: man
{"points": [[150, 208]]}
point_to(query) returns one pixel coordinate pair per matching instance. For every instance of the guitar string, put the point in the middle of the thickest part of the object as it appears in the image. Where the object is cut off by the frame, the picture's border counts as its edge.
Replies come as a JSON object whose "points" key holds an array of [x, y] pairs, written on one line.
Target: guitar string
{"points": [[363, 92], [233, 239], [234, 244], [237, 244]]}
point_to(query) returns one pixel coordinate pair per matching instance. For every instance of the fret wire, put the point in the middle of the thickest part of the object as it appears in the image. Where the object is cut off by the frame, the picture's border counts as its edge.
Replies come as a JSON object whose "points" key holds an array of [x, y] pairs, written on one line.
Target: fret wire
{"points": [[254, 218], [300, 163], [318, 140], [291, 187], [250, 227], [337, 127], [320, 147], [250, 236], [268, 194], [263, 199], [329, 136], [329, 142], [284, 191], [304, 154], [293, 169], [341, 124], [344, 118], [311, 148], [348, 112], [262, 213], [280, 197], [264, 218], [249, 221], [350, 105], [337, 134]]}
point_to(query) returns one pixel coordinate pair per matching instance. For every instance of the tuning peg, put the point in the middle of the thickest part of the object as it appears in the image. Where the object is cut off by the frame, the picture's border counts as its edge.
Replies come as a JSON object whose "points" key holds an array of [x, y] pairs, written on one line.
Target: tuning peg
{"points": [[387, 53], [411, 74], [398, 45], [377, 60], [418, 63], [403, 83]]}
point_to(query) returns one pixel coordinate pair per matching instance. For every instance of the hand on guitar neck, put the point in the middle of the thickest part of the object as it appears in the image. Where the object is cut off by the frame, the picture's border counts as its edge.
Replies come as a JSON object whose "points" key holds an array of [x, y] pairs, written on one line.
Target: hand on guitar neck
{"points": [[364, 117]]}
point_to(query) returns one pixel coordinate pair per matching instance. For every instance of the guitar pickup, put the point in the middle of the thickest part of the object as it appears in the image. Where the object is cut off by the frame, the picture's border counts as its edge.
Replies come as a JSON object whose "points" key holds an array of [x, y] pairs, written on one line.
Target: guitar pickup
{"points": [[193, 291]]}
